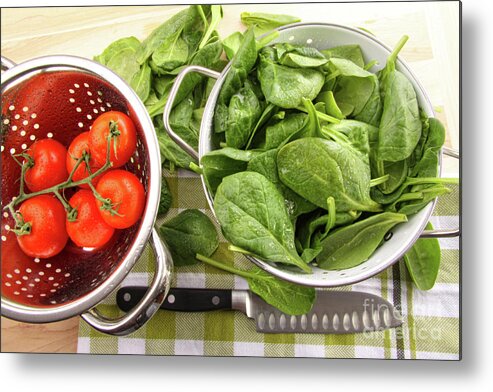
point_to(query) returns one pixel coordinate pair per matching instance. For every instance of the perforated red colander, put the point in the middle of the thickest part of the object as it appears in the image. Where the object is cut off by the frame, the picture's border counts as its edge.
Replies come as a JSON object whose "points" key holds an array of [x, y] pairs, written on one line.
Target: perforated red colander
{"points": [[59, 97]]}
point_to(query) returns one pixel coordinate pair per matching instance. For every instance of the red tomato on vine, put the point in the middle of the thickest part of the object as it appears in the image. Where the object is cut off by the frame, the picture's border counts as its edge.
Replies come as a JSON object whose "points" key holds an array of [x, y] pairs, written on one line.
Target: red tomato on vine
{"points": [[46, 165], [78, 148], [127, 198], [46, 234], [88, 229], [123, 141]]}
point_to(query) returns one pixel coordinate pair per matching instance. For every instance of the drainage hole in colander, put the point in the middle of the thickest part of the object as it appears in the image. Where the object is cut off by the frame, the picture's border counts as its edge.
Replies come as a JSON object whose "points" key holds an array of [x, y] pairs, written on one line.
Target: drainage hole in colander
{"points": [[388, 236]]}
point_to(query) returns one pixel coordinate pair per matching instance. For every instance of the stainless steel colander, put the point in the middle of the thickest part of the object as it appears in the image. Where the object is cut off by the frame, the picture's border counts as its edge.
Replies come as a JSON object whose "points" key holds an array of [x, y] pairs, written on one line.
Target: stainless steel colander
{"points": [[322, 36], [59, 97]]}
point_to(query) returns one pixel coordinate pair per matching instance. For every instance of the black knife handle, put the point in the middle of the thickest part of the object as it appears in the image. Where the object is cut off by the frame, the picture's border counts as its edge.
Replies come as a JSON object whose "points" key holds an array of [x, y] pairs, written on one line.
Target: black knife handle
{"points": [[180, 300]]}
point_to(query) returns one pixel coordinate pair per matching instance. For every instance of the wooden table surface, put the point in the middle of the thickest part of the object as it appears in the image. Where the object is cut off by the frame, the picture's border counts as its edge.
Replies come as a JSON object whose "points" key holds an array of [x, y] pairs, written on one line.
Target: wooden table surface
{"points": [[432, 52]]}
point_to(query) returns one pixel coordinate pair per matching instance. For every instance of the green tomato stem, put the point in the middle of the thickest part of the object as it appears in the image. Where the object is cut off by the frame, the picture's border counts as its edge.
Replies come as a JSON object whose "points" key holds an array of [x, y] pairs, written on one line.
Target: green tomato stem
{"points": [[24, 227]]}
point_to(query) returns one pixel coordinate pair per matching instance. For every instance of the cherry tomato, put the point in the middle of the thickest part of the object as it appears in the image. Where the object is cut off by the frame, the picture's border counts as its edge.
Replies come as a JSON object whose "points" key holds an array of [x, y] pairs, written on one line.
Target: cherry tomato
{"points": [[127, 196], [77, 148], [89, 229], [49, 165], [48, 234], [126, 141]]}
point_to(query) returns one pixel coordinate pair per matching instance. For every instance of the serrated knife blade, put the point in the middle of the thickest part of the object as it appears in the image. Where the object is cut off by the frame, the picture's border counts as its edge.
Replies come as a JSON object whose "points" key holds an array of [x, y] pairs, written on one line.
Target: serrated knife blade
{"points": [[334, 312]]}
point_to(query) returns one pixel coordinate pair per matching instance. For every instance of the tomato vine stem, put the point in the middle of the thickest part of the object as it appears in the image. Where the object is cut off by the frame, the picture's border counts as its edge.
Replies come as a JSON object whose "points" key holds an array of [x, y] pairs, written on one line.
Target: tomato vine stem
{"points": [[22, 227]]}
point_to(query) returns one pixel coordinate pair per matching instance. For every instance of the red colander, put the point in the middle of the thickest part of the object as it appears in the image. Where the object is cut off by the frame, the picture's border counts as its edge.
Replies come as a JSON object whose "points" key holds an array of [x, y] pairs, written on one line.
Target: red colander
{"points": [[59, 97]]}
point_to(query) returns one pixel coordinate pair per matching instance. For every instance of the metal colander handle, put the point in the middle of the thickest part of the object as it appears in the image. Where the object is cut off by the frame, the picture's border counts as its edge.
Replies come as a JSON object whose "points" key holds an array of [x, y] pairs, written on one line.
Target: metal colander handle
{"points": [[171, 99], [149, 304]]}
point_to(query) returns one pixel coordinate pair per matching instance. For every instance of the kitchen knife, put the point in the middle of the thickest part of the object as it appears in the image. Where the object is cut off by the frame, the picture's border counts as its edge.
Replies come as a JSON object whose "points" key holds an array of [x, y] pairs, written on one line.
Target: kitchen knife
{"points": [[334, 312]]}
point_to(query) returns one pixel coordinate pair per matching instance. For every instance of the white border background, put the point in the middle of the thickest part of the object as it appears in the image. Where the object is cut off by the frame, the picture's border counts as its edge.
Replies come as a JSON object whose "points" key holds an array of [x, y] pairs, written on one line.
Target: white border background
{"points": [[41, 372]]}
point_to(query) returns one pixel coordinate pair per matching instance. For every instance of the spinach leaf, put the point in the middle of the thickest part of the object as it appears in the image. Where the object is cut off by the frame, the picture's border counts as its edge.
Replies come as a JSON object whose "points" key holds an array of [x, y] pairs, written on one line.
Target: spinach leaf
{"points": [[427, 166], [193, 31], [264, 22], [400, 124], [121, 57], [166, 198], [313, 231], [318, 169], [423, 261], [162, 34], [172, 53], [357, 133], [277, 133], [331, 107], [221, 163], [253, 216], [171, 153], [269, 113], [141, 82], [311, 127], [351, 245], [162, 84], [288, 297], [243, 112], [266, 164], [297, 56], [232, 43], [348, 52], [285, 86], [187, 234], [241, 65], [216, 16], [425, 127], [397, 172], [430, 193], [358, 89], [208, 57]]}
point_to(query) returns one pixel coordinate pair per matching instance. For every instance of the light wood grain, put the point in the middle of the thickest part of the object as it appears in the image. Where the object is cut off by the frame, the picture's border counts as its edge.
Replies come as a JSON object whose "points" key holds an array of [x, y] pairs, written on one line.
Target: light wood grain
{"points": [[59, 337], [432, 52]]}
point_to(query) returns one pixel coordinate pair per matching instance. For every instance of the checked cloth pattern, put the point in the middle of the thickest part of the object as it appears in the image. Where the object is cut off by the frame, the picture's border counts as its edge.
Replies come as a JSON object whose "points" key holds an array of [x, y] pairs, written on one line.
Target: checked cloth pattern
{"points": [[431, 328]]}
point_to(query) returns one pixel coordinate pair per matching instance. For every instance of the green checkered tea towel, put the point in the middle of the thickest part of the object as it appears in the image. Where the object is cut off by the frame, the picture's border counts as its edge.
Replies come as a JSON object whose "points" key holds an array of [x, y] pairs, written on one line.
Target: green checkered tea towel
{"points": [[431, 319]]}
